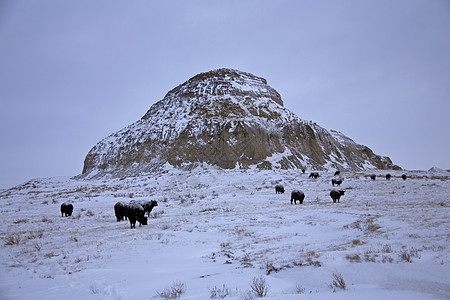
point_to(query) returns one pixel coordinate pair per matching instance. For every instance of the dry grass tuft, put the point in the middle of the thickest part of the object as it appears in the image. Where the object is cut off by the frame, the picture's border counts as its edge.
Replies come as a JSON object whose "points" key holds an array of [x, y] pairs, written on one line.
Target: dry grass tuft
{"points": [[173, 292], [338, 281]]}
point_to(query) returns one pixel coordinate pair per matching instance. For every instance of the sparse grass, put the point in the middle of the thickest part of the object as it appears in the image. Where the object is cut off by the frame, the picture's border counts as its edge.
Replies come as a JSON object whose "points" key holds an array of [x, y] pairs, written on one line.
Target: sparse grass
{"points": [[12, 239], [387, 259], [248, 295], [49, 255], [370, 256], [271, 268], [19, 221], [365, 224], [219, 293], [209, 209], [224, 245], [353, 257], [156, 214], [299, 289], [37, 246], [46, 220], [94, 289], [356, 242], [371, 226], [164, 226], [408, 254], [36, 234], [386, 249], [246, 261], [173, 292]]}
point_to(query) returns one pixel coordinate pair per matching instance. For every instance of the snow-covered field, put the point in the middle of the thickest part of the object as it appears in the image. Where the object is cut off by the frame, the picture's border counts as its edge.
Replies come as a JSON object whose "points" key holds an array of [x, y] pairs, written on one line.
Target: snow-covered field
{"points": [[216, 231]]}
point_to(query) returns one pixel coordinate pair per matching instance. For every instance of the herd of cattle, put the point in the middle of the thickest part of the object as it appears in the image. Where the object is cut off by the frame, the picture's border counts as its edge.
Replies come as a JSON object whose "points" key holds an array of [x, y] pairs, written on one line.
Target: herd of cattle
{"points": [[135, 210], [298, 195]]}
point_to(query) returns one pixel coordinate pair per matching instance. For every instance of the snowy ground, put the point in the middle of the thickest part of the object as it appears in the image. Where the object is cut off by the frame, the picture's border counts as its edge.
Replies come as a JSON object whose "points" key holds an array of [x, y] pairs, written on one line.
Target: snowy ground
{"points": [[215, 231]]}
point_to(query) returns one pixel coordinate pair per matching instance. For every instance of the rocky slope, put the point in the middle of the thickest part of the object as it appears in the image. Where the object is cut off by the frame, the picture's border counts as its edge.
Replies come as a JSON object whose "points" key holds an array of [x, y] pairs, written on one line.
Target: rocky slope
{"points": [[226, 118]]}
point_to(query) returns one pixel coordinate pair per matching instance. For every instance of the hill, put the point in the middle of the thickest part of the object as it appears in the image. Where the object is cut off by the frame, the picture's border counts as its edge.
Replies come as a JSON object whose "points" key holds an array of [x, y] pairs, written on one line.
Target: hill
{"points": [[230, 119]]}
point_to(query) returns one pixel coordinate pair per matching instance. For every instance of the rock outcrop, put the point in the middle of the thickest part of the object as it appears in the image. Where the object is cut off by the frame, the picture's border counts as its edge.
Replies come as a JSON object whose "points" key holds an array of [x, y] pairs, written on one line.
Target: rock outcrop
{"points": [[225, 118]]}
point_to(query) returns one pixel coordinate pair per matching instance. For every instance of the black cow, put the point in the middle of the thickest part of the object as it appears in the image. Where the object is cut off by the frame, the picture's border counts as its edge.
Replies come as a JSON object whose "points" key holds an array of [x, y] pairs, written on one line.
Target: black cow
{"points": [[337, 173], [135, 212], [120, 210], [279, 189], [314, 175], [388, 176], [147, 205], [336, 181], [336, 195], [297, 195], [404, 176], [373, 176], [303, 171], [66, 209]]}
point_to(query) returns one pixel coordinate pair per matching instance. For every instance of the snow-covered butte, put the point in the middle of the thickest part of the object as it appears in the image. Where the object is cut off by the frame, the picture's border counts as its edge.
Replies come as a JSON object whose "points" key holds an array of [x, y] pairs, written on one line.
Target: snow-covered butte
{"points": [[225, 118]]}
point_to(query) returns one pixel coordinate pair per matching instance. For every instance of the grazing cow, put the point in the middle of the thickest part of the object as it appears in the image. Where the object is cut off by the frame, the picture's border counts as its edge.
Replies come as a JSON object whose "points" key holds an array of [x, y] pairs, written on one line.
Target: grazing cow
{"points": [[336, 195], [279, 189], [147, 205], [303, 171], [120, 210], [135, 212], [404, 176], [336, 181], [314, 175], [337, 173], [373, 176], [297, 195], [388, 176], [66, 209]]}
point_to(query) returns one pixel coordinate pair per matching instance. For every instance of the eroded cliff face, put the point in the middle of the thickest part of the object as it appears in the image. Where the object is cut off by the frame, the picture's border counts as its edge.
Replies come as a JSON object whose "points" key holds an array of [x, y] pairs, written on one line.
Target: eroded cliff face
{"points": [[225, 118]]}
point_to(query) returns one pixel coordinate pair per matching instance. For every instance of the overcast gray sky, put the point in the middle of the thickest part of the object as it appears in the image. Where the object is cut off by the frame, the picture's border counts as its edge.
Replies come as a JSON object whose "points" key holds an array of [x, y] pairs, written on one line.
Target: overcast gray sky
{"points": [[73, 72]]}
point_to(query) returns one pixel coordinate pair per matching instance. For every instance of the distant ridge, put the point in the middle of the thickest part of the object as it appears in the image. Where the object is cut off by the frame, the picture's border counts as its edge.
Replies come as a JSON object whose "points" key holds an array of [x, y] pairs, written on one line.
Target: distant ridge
{"points": [[229, 119]]}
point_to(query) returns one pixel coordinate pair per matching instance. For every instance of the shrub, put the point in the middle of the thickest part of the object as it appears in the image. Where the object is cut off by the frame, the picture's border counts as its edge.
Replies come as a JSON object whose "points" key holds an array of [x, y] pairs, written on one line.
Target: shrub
{"points": [[259, 286], [173, 292], [338, 281]]}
